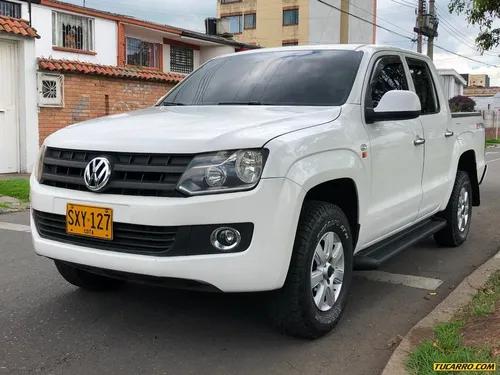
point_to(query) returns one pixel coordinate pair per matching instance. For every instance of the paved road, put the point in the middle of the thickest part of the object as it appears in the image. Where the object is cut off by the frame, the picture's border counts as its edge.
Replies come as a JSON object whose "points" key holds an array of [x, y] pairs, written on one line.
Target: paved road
{"points": [[50, 327]]}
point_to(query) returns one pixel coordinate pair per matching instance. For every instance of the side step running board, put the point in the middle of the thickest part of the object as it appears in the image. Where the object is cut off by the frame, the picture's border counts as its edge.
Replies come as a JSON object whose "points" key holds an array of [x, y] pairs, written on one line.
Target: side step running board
{"points": [[373, 256]]}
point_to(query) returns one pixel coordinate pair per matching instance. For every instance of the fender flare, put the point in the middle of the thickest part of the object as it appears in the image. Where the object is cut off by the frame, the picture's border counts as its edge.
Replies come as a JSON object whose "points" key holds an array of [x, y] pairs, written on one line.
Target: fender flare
{"points": [[315, 169], [460, 147]]}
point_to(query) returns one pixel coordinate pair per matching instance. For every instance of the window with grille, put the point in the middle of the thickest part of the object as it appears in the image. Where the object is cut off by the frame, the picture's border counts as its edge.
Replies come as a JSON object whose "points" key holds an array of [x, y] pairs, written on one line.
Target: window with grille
{"points": [[181, 59], [71, 31], [10, 9], [50, 90], [143, 53], [290, 17], [250, 21], [234, 24]]}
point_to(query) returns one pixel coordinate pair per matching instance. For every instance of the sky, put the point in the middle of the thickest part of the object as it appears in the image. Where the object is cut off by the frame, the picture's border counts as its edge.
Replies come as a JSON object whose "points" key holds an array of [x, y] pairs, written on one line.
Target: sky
{"points": [[397, 15]]}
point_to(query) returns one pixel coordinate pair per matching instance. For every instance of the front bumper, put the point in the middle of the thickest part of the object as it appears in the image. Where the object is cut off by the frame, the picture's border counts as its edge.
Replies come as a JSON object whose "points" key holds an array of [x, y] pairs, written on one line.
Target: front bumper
{"points": [[273, 207]]}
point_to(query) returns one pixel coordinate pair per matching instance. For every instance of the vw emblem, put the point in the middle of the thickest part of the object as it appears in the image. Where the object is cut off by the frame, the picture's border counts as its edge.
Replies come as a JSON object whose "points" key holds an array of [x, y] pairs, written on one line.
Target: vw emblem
{"points": [[97, 174]]}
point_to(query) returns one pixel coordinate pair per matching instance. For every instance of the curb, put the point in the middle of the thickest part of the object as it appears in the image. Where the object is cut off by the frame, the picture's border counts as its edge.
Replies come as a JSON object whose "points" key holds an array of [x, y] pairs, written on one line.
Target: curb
{"points": [[9, 205], [443, 312]]}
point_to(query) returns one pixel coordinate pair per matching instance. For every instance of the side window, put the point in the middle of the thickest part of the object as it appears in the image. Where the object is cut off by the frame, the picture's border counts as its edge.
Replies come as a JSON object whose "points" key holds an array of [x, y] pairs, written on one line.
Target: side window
{"points": [[424, 85], [388, 74]]}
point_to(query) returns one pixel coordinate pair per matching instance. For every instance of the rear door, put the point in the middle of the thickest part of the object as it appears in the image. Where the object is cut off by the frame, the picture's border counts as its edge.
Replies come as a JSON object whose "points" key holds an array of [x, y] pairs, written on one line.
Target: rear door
{"points": [[396, 162], [9, 144], [439, 139]]}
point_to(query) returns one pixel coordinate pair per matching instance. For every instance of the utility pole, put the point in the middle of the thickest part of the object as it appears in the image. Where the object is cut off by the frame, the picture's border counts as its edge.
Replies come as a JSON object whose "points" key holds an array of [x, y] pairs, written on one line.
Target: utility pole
{"points": [[430, 40], [418, 24]]}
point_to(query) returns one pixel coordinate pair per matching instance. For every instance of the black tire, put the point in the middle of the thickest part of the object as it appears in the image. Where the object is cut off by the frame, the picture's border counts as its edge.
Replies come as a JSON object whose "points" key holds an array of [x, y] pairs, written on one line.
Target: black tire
{"points": [[84, 279], [451, 235], [294, 311]]}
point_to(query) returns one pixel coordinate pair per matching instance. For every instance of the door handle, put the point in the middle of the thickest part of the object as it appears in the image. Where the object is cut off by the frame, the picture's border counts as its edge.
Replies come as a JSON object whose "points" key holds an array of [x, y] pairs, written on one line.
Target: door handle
{"points": [[419, 141], [448, 133], [3, 110]]}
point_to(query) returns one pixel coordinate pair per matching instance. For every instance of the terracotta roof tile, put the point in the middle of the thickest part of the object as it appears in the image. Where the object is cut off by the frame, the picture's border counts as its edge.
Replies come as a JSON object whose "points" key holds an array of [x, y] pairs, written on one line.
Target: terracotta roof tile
{"points": [[17, 27], [108, 70]]}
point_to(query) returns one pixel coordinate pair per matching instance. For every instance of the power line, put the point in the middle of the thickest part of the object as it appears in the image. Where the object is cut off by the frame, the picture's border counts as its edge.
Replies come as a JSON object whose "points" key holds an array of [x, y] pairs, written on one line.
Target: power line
{"points": [[467, 40], [362, 19], [453, 34], [409, 3], [404, 4], [466, 57], [404, 36], [377, 16]]}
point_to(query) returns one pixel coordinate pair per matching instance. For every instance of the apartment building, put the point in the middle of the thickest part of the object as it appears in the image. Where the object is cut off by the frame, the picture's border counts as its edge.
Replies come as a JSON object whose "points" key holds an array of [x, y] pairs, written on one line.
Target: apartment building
{"points": [[61, 64], [273, 23], [479, 80]]}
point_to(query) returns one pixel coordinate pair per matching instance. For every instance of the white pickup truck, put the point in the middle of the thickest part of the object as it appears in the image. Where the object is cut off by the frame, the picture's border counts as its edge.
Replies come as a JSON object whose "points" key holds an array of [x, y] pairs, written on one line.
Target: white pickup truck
{"points": [[277, 169]]}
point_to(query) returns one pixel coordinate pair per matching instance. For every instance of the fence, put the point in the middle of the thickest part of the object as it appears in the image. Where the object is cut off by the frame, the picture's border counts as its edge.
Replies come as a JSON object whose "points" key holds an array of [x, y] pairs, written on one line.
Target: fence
{"points": [[491, 122]]}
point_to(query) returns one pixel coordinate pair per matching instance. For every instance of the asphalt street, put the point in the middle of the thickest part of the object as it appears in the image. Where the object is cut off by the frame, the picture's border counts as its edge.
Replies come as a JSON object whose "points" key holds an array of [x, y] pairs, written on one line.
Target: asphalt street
{"points": [[50, 327]]}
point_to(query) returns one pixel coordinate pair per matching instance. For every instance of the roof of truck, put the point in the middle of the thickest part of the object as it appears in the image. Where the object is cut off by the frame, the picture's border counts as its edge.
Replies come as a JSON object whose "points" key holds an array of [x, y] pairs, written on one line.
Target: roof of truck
{"points": [[370, 48]]}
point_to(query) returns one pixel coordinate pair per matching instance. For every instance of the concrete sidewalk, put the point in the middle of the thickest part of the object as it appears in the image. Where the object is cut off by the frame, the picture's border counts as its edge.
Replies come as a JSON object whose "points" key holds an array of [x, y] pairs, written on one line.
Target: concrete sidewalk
{"points": [[9, 176], [444, 312]]}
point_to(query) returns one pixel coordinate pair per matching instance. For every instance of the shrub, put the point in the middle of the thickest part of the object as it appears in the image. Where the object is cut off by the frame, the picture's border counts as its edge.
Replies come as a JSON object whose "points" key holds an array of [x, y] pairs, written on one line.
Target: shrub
{"points": [[462, 103]]}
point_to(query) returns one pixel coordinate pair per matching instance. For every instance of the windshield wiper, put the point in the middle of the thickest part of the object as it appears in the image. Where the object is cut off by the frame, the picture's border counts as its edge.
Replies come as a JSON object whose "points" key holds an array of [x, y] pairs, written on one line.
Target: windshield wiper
{"points": [[171, 104], [241, 103]]}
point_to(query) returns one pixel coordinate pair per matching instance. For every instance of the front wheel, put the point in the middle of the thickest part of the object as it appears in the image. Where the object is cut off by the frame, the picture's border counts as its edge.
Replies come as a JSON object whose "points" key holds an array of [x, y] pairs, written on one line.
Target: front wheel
{"points": [[315, 291], [458, 213]]}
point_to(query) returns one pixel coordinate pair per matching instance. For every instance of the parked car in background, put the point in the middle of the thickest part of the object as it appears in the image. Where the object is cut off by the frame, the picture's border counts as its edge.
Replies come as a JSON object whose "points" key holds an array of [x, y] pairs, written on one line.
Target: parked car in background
{"points": [[280, 169]]}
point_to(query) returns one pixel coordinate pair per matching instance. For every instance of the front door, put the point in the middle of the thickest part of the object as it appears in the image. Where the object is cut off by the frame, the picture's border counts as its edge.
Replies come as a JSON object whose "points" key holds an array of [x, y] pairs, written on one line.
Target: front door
{"points": [[396, 161], [9, 139]]}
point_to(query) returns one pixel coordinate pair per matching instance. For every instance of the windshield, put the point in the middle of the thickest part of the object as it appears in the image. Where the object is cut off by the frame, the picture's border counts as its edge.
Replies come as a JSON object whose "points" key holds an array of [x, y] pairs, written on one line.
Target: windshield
{"points": [[295, 78]]}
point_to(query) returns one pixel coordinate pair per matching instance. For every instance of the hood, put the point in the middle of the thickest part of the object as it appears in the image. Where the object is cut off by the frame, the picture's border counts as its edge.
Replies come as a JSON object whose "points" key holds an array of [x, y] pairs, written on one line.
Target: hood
{"points": [[190, 129]]}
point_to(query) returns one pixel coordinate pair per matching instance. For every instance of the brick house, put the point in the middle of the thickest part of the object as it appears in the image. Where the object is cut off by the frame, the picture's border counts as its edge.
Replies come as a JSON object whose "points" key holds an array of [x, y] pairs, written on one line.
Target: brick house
{"points": [[80, 63]]}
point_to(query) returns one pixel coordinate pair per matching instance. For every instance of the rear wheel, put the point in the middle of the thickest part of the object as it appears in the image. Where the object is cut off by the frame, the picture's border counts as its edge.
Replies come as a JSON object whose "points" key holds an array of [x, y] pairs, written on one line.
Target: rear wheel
{"points": [[458, 213], [84, 279], [315, 292]]}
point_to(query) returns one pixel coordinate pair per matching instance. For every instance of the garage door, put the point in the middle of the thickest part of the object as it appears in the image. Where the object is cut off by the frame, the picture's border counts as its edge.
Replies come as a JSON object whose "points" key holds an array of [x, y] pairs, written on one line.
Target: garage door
{"points": [[9, 139]]}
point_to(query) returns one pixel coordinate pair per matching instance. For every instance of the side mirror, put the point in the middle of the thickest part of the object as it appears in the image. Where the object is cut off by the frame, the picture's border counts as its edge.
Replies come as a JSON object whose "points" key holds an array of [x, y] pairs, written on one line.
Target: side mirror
{"points": [[395, 105]]}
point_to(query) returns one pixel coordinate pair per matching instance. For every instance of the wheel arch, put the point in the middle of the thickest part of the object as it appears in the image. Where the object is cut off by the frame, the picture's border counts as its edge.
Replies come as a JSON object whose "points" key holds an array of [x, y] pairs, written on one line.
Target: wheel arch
{"points": [[332, 175], [467, 163], [342, 192]]}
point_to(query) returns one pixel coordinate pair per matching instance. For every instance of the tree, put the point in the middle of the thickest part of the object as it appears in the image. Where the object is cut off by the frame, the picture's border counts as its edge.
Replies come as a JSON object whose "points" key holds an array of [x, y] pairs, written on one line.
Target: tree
{"points": [[462, 103], [482, 13]]}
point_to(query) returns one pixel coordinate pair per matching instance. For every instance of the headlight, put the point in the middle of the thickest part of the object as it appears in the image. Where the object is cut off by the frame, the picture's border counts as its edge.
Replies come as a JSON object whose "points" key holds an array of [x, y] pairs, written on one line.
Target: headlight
{"points": [[223, 171], [38, 169]]}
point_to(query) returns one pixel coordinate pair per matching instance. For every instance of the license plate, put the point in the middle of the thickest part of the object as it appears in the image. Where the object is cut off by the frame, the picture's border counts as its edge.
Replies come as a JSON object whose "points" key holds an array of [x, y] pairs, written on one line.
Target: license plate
{"points": [[88, 221]]}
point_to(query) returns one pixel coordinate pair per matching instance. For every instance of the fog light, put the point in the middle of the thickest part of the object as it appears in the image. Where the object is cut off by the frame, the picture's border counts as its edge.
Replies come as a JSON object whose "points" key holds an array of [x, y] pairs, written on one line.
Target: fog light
{"points": [[225, 238]]}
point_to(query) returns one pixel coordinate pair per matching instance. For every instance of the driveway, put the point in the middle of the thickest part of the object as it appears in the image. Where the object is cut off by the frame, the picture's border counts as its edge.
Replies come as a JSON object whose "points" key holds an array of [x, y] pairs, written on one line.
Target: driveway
{"points": [[48, 326]]}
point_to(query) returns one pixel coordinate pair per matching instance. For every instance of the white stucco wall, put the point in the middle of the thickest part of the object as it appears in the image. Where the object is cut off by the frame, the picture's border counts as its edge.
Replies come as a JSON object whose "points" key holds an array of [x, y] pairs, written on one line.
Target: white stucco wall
{"points": [[207, 53], [360, 31], [105, 39], [166, 57], [27, 103], [485, 102], [451, 87], [324, 25]]}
